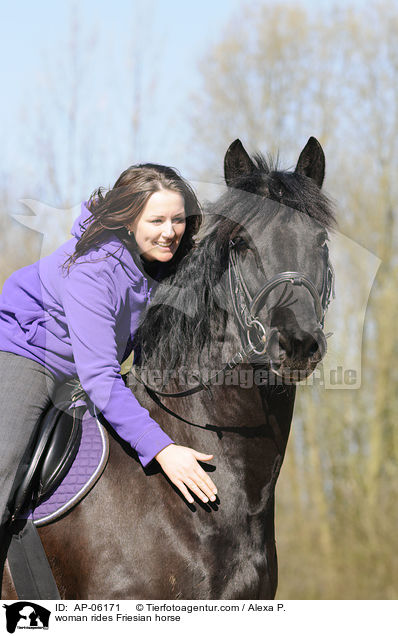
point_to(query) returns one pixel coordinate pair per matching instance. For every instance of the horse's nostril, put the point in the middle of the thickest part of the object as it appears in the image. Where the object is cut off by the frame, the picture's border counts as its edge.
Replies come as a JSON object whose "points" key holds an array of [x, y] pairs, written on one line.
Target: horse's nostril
{"points": [[313, 348], [300, 346], [284, 345], [306, 347]]}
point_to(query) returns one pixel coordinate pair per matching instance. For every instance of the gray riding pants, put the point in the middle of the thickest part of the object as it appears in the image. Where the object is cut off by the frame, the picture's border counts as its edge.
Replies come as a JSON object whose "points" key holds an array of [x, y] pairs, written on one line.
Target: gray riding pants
{"points": [[26, 390]]}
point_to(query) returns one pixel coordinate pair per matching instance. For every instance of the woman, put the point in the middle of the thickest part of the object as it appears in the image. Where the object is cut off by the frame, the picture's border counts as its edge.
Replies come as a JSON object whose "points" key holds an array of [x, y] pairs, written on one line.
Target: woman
{"points": [[75, 313]]}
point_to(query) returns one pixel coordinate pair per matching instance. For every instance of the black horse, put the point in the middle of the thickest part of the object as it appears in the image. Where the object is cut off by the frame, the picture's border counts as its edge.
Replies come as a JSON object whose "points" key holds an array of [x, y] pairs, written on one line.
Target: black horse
{"points": [[231, 334]]}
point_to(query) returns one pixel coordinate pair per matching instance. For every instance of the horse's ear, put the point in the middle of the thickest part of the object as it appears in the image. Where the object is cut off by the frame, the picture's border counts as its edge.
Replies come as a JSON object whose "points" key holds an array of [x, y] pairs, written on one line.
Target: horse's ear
{"points": [[237, 162], [311, 162]]}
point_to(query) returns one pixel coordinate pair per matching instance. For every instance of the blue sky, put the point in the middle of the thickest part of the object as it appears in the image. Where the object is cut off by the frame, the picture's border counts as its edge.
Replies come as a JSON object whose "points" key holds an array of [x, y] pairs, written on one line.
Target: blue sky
{"points": [[169, 36], [34, 39], [30, 30]]}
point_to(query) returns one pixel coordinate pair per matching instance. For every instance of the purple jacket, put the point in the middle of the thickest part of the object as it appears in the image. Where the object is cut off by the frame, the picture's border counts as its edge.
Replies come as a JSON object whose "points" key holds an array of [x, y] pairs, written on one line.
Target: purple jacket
{"points": [[81, 323]]}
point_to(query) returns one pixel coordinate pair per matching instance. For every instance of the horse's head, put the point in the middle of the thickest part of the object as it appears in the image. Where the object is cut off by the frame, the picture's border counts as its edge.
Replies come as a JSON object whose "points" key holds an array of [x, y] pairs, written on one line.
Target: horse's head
{"points": [[281, 278]]}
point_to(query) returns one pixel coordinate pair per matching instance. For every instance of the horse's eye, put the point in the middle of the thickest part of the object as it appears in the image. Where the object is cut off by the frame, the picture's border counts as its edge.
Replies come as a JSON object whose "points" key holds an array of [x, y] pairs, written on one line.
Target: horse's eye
{"points": [[239, 242]]}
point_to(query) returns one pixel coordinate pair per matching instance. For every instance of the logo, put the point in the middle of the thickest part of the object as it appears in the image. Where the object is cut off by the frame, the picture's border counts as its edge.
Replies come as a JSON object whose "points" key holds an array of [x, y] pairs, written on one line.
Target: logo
{"points": [[27, 615]]}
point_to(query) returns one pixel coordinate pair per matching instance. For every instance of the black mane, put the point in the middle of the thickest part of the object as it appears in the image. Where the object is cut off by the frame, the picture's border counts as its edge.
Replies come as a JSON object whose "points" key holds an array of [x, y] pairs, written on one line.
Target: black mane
{"points": [[184, 312]]}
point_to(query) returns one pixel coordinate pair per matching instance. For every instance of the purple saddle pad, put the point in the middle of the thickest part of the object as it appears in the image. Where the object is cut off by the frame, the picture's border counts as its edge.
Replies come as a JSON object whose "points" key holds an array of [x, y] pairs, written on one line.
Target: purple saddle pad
{"points": [[86, 469]]}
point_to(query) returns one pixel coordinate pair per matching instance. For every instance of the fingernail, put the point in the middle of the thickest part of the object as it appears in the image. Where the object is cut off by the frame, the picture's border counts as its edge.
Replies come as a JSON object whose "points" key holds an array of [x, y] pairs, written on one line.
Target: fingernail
{"points": [[212, 498], [205, 499]]}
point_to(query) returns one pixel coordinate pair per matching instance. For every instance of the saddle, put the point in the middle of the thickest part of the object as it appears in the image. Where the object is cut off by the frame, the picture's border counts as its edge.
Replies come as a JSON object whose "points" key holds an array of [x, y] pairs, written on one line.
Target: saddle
{"points": [[55, 450], [69, 456]]}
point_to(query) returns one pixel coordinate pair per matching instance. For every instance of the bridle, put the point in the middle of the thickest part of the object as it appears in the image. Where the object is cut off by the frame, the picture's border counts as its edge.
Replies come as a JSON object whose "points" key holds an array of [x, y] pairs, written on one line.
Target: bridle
{"points": [[246, 309]]}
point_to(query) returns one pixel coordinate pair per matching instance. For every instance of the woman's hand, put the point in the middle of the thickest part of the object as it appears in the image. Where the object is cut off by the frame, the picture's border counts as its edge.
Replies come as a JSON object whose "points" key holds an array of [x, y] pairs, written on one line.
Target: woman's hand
{"points": [[181, 467]]}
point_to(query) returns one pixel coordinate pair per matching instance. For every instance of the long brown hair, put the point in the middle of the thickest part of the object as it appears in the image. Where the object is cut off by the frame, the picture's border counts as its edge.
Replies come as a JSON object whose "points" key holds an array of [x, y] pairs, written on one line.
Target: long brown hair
{"points": [[113, 210]]}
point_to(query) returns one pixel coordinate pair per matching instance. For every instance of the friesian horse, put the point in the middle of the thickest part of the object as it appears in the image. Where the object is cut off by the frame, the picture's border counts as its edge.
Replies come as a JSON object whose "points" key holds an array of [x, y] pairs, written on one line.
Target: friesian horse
{"points": [[239, 324]]}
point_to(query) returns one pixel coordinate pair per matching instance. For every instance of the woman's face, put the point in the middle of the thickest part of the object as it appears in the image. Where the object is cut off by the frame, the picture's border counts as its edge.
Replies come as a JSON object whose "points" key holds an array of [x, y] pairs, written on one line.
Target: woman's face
{"points": [[159, 228]]}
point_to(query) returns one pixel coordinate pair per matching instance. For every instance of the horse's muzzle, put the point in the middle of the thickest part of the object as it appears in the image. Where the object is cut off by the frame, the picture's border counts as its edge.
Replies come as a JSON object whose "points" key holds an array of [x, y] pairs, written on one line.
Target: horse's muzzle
{"points": [[295, 354]]}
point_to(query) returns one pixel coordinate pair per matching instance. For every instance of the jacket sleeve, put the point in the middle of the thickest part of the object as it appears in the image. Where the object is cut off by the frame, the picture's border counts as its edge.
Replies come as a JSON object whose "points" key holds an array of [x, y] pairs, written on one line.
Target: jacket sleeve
{"points": [[90, 305]]}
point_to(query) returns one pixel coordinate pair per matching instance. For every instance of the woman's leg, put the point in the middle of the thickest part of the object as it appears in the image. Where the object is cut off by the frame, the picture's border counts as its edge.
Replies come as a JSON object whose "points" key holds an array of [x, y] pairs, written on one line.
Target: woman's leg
{"points": [[26, 389]]}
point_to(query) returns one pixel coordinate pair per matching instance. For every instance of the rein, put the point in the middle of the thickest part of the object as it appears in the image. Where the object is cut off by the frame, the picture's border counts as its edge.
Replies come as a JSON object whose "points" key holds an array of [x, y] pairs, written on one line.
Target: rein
{"points": [[238, 358], [245, 309]]}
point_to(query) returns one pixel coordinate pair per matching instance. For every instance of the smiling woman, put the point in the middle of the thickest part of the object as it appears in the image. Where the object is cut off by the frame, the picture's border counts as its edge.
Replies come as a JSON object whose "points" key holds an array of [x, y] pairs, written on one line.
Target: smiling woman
{"points": [[159, 228], [148, 204]]}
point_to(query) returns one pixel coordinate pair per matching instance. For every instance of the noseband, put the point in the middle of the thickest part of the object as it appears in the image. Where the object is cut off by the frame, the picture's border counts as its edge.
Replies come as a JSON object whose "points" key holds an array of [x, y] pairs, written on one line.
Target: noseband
{"points": [[246, 308]]}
